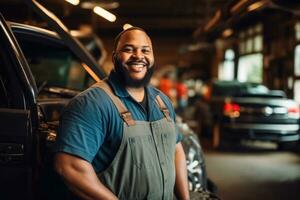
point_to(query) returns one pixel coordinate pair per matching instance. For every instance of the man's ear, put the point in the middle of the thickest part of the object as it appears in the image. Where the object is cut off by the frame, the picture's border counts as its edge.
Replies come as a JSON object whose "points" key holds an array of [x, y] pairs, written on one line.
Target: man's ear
{"points": [[113, 57]]}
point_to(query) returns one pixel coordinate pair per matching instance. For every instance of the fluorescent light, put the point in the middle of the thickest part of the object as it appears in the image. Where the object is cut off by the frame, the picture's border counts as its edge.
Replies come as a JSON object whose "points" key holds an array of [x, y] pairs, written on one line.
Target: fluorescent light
{"points": [[256, 5], [87, 5], [91, 5], [104, 13], [73, 2], [126, 26]]}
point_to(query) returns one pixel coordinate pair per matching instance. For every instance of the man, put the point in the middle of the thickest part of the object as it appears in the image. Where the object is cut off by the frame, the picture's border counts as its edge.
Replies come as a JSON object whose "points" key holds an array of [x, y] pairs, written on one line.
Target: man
{"points": [[117, 139]]}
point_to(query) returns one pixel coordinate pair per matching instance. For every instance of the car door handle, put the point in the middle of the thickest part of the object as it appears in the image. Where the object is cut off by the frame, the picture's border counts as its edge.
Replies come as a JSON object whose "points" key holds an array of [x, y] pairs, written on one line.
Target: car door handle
{"points": [[11, 153]]}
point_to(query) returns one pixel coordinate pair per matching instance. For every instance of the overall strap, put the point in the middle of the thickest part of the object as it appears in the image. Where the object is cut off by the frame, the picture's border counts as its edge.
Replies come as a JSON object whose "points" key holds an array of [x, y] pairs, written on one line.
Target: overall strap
{"points": [[163, 107], [124, 113]]}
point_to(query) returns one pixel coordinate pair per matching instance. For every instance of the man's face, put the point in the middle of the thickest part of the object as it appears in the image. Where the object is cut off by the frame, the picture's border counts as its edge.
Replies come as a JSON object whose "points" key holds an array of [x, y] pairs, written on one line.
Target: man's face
{"points": [[135, 56]]}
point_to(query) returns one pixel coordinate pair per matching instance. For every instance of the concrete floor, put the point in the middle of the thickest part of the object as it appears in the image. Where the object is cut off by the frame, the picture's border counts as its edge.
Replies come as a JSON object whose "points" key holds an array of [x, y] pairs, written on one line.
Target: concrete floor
{"points": [[248, 173]]}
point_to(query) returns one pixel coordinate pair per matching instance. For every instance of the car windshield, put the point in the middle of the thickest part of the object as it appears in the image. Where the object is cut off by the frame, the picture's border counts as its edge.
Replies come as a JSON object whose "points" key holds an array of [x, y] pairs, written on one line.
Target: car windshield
{"points": [[54, 65]]}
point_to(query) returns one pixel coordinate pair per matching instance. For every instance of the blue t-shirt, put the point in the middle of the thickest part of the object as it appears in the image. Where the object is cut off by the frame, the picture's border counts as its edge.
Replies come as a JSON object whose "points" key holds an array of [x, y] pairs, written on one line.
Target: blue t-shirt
{"points": [[92, 129]]}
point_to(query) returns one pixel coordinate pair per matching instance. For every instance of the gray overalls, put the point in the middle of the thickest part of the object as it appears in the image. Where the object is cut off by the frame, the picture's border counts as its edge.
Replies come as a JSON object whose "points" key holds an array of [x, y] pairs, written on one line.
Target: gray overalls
{"points": [[144, 166]]}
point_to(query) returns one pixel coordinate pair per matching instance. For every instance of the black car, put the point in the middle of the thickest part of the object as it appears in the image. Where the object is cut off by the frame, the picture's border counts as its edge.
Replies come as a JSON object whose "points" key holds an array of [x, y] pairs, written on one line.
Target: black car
{"points": [[251, 111], [40, 71]]}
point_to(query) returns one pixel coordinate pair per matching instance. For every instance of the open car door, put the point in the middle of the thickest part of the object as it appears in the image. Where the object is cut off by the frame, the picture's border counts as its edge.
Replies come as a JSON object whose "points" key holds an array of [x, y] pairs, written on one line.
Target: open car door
{"points": [[17, 97]]}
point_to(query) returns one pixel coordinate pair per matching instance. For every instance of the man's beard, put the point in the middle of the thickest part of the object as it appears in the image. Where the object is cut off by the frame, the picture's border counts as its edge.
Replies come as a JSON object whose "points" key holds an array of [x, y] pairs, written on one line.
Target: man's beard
{"points": [[125, 78]]}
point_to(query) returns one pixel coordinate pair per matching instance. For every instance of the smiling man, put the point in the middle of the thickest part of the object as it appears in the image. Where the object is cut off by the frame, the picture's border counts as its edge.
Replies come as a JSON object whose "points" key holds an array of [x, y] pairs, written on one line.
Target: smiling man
{"points": [[118, 139]]}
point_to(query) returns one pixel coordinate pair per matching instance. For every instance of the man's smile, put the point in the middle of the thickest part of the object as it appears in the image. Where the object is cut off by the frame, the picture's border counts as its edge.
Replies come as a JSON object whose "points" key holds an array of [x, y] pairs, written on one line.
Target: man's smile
{"points": [[136, 66]]}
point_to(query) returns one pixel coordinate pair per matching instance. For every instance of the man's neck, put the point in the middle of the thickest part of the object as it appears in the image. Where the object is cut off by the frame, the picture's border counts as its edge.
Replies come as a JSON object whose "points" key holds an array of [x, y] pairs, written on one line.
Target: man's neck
{"points": [[136, 93]]}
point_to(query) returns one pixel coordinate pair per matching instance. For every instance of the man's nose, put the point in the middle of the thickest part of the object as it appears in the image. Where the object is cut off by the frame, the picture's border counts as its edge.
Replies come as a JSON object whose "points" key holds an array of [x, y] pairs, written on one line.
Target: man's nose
{"points": [[138, 54]]}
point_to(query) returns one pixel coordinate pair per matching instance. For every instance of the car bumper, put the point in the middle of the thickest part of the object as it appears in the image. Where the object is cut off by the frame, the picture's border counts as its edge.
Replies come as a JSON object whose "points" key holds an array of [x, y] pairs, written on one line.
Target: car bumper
{"points": [[267, 132]]}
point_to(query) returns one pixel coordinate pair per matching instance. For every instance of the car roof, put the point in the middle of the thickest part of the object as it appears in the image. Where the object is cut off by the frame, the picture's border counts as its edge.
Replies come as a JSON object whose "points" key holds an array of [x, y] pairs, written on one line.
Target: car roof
{"points": [[30, 28]]}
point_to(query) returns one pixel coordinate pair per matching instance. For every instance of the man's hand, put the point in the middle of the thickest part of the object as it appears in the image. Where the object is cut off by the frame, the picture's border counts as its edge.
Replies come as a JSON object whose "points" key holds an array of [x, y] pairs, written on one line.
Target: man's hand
{"points": [[81, 178], [181, 182]]}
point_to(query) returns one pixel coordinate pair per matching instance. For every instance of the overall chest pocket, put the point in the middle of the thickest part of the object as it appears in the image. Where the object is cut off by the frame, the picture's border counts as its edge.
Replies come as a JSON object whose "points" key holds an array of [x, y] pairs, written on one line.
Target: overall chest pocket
{"points": [[143, 152]]}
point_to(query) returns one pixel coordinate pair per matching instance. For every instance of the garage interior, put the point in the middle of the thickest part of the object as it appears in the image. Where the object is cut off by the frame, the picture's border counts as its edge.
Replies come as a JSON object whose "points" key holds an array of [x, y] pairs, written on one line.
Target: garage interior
{"points": [[198, 42]]}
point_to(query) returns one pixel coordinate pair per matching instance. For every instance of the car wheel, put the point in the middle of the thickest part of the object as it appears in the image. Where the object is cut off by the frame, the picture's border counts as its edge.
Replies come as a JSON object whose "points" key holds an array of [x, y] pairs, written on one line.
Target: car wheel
{"points": [[196, 171], [211, 186]]}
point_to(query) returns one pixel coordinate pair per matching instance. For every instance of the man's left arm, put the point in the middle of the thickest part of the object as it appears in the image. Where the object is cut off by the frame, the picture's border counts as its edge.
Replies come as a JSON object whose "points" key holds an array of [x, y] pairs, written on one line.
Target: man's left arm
{"points": [[181, 183]]}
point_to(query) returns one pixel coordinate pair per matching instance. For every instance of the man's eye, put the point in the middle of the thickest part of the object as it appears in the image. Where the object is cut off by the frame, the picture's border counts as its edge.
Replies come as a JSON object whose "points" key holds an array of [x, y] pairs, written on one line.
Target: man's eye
{"points": [[127, 49], [146, 51]]}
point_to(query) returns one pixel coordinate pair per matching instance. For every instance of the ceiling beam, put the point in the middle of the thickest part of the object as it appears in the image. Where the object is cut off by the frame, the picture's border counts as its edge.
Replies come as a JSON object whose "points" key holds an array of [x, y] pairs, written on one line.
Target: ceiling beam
{"points": [[156, 23]]}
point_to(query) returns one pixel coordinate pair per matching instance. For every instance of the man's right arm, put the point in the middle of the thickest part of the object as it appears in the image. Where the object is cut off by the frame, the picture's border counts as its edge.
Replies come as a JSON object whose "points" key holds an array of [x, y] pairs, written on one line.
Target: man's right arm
{"points": [[80, 177]]}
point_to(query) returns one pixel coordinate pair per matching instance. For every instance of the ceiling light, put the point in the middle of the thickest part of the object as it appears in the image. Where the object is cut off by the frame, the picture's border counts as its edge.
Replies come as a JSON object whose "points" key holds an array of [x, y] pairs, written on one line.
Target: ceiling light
{"points": [[73, 2], [104, 13], [227, 32], [111, 5], [92, 4], [87, 5], [256, 5], [127, 26]]}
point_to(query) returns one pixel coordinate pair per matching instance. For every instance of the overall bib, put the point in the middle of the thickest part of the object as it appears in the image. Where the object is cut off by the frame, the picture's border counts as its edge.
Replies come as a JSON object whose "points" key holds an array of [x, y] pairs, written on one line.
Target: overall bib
{"points": [[144, 166]]}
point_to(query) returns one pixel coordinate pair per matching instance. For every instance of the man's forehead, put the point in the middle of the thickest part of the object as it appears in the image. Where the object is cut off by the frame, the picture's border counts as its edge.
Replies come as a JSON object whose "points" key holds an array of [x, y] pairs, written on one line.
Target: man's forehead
{"points": [[135, 36]]}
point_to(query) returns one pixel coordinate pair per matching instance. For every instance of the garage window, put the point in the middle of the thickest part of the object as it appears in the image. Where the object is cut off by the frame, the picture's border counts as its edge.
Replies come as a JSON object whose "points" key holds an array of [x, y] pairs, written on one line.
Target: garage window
{"points": [[297, 61], [297, 30], [297, 73], [296, 91], [296, 86], [250, 62], [226, 68], [250, 68]]}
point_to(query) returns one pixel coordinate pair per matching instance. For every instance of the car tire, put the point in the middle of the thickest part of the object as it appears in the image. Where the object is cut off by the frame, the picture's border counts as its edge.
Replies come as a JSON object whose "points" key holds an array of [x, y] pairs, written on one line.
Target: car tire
{"points": [[211, 186]]}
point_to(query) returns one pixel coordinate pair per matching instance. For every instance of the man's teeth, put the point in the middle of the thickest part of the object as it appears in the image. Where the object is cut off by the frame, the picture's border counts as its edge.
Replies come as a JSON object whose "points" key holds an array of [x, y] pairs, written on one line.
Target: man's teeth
{"points": [[137, 64], [137, 67]]}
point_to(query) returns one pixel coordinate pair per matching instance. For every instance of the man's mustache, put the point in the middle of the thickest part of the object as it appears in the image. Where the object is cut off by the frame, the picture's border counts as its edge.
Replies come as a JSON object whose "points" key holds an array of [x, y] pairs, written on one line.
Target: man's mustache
{"points": [[132, 62]]}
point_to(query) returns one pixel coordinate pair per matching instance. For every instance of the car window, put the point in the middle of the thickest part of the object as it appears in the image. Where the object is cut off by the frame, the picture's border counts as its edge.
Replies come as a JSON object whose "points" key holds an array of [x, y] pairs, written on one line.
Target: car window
{"points": [[11, 95], [235, 88], [257, 88], [244, 89], [228, 88], [54, 65], [4, 100]]}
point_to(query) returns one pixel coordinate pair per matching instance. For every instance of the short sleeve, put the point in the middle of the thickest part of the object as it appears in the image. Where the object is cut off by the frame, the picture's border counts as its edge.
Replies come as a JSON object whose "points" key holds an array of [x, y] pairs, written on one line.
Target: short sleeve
{"points": [[179, 137], [81, 130]]}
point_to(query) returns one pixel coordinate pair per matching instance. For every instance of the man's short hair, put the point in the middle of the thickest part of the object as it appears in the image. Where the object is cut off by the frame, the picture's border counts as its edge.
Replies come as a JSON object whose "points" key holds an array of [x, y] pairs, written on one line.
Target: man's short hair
{"points": [[117, 39]]}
